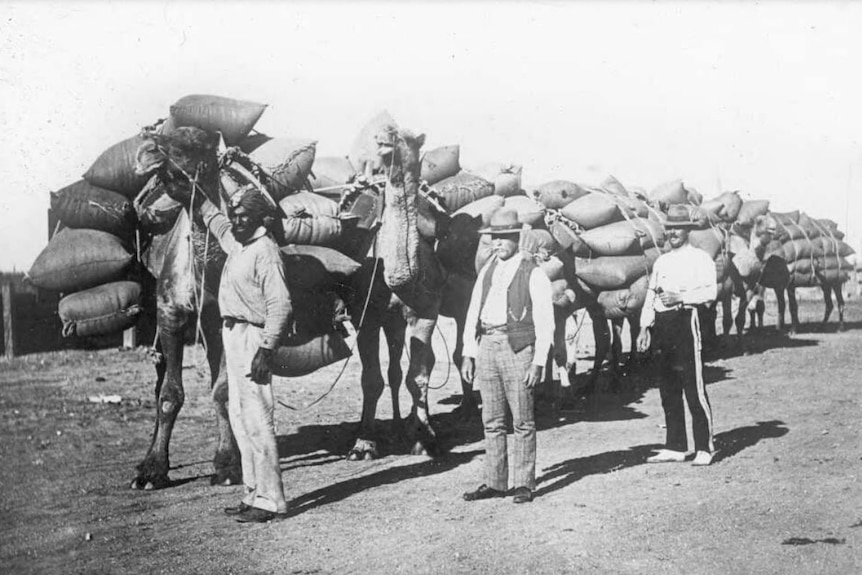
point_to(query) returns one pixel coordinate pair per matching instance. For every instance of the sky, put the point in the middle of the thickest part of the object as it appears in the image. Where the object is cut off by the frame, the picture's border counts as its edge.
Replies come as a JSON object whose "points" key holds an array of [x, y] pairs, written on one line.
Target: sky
{"points": [[760, 97]]}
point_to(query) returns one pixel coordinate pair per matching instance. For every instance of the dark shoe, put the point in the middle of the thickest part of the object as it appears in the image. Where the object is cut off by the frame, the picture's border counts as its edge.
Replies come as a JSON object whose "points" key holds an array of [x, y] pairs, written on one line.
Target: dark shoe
{"points": [[258, 515], [522, 495], [483, 492], [241, 508]]}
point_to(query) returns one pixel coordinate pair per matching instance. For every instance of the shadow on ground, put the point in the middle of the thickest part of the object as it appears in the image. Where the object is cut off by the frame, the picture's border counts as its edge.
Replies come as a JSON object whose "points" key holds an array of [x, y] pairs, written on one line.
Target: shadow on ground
{"points": [[732, 442], [344, 489], [729, 444], [757, 341]]}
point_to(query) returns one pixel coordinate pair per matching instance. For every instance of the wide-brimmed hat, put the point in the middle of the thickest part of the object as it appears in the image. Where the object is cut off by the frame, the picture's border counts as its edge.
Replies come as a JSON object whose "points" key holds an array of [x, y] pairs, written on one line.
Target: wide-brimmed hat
{"points": [[679, 217], [503, 221]]}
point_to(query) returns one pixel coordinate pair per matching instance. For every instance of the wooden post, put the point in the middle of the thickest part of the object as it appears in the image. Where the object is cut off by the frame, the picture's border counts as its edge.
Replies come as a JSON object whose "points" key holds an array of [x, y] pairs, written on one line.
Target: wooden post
{"points": [[130, 337], [6, 292]]}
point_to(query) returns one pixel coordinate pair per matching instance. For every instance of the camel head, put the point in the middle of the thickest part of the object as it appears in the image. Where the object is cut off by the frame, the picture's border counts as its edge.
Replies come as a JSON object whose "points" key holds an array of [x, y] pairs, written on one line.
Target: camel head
{"points": [[765, 228], [180, 156], [399, 152]]}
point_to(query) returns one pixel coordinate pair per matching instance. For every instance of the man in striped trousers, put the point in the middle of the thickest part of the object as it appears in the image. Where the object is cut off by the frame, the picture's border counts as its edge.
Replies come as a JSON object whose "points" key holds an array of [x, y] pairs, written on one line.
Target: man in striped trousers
{"points": [[681, 280]]}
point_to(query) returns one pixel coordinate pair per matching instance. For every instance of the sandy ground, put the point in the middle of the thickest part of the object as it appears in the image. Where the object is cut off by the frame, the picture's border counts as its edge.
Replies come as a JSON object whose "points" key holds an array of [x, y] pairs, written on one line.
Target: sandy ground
{"points": [[783, 496]]}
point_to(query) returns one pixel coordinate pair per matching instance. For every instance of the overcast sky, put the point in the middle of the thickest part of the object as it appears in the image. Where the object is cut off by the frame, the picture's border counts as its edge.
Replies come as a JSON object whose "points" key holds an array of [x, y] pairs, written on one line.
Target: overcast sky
{"points": [[763, 97]]}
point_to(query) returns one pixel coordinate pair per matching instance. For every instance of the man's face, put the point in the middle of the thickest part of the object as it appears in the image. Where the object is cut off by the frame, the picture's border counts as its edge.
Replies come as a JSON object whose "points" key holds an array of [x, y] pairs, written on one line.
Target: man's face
{"points": [[677, 237], [243, 224], [505, 245]]}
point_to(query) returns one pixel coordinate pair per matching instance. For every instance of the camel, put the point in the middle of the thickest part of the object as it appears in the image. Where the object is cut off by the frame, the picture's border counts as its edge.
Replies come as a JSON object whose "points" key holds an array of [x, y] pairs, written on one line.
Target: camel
{"points": [[399, 290], [827, 287], [745, 272], [187, 268]]}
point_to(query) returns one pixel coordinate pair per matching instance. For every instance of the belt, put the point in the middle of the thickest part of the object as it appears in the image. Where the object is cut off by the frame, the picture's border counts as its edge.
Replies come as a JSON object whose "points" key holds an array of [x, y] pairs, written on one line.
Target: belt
{"points": [[229, 322], [678, 308], [485, 329]]}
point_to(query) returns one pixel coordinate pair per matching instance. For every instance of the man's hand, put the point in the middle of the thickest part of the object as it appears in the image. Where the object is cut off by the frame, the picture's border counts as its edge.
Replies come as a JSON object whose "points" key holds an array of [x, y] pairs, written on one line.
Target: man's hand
{"points": [[643, 341], [670, 298], [468, 369], [531, 378], [261, 366]]}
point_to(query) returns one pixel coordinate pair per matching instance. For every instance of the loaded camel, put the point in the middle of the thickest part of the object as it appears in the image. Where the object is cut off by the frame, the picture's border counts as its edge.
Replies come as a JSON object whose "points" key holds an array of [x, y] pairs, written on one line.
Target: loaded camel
{"points": [[399, 290], [187, 269]]}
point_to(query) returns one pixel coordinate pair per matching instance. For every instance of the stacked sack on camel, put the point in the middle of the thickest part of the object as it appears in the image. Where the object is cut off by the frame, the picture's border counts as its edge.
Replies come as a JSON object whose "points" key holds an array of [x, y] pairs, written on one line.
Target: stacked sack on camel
{"points": [[812, 249], [734, 232], [98, 253], [476, 195], [613, 237]]}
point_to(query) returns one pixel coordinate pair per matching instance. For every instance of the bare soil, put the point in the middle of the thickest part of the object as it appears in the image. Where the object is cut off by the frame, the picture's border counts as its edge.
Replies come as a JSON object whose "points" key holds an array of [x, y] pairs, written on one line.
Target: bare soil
{"points": [[782, 497]]}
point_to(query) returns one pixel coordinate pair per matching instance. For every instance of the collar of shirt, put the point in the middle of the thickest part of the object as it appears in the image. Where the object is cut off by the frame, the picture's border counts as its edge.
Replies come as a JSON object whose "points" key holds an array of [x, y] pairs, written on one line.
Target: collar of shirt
{"points": [[258, 233]]}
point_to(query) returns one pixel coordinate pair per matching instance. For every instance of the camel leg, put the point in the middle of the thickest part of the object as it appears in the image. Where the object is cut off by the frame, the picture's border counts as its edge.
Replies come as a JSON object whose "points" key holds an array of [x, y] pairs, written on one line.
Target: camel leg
{"points": [[794, 309], [726, 314], [226, 462], [170, 396], [419, 333], [368, 344], [634, 330], [760, 309], [827, 302], [739, 319], [469, 407], [394, 329], [602, 337], [616, 352], [839, 299], [562, 392], [779, 298]]}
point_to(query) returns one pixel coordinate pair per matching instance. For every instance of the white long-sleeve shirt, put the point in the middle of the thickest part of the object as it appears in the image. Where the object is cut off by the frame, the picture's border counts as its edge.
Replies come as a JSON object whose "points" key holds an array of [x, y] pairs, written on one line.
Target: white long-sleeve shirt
{"points": [[496, 307], [686, 270], [252, 287]]}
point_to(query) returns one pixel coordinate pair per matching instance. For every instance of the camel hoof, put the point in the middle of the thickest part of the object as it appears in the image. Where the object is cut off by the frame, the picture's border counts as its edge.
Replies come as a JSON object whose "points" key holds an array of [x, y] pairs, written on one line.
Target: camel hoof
{"points": [[226, 478], [418, 449], [151, 484], [363, 450]]}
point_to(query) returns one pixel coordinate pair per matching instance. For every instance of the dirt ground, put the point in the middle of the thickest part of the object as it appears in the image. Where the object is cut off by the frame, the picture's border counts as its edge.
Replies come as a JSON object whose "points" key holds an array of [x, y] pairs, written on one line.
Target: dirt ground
{"points": [[784, 495]]}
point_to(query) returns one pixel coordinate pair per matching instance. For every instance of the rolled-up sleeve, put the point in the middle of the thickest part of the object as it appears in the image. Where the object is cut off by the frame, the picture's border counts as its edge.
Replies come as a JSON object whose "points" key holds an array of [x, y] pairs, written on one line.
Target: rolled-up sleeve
{"points": [[647, 318], [270, 270], [543, 315], [219, 226], [471, 341]]}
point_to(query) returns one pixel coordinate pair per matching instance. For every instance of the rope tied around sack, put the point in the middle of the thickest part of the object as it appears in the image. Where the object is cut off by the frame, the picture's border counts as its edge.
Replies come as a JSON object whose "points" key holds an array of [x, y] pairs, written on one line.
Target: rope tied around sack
{"points": [[640, 234]]}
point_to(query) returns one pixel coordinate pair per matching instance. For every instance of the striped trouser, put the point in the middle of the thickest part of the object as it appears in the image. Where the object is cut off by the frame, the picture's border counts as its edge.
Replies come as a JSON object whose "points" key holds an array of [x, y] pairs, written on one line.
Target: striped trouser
{"points": [[500, 379], [251, 411], [676, 335]]}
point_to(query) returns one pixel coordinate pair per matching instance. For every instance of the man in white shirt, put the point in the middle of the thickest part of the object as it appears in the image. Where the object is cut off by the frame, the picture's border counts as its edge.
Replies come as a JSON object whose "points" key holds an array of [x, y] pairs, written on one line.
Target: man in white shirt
{"points": [[507, 337], [681, 280], [256, 309]]}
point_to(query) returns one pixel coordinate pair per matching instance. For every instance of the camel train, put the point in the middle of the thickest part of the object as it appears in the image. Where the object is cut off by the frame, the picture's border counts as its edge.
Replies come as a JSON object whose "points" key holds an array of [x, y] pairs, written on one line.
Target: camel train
{"points": [[401, 288], [413, 250]]}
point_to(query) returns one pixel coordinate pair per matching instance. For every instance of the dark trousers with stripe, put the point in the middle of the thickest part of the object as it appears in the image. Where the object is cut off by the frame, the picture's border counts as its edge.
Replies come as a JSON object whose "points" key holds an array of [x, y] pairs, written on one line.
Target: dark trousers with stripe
{"points": [[676, 335]]}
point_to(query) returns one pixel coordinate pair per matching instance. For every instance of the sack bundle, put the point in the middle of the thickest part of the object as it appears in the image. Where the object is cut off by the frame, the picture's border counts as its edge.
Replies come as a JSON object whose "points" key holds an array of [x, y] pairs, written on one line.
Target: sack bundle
{"points": [[557, 194], [310, 219], [77, 259], [505, 177], [83, 205], [463, 189], [287, 162], [440, 163], [101, 310], [234, 119]]}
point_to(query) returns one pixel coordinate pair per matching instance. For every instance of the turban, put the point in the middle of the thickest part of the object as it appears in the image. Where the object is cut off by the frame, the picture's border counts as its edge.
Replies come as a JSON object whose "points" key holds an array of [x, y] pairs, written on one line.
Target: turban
{"points": [[254, 202]]}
